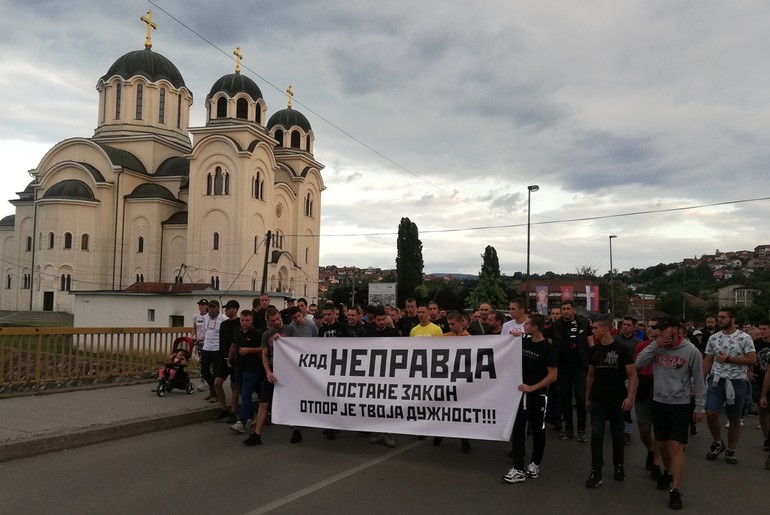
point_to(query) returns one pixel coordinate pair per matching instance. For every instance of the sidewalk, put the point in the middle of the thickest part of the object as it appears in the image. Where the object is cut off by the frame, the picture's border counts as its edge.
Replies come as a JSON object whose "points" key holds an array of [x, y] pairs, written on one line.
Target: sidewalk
{"points": [[39, 424]]}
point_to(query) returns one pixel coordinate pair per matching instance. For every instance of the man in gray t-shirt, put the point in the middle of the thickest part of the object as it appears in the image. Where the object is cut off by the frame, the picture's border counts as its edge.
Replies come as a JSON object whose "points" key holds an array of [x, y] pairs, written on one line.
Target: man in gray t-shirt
{"points": [[304, 328]]}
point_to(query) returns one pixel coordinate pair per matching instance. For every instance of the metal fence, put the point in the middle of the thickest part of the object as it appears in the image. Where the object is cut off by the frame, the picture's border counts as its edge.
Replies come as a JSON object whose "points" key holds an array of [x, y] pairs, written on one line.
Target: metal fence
{"points": [[33, 359]]}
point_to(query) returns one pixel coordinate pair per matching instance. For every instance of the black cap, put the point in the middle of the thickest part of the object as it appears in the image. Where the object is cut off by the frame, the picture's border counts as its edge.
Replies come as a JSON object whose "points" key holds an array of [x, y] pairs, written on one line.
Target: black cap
{"points": [[232, 304], [203, 302], [666, 322]]}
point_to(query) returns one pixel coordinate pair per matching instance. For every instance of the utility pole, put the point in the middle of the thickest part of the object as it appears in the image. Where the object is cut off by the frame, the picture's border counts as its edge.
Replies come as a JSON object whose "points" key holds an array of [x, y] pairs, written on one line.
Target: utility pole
{"points": [[267, 256]]}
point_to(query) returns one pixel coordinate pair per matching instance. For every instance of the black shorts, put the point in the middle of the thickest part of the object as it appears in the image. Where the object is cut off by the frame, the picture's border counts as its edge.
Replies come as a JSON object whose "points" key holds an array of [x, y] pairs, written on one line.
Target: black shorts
{"points": [[671, 421], [221, 370], [266, 391]]}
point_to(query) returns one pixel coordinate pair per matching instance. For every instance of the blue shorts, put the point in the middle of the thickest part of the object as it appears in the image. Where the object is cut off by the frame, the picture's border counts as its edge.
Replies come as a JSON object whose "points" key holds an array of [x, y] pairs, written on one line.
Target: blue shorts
{"points": [[716, 397]]}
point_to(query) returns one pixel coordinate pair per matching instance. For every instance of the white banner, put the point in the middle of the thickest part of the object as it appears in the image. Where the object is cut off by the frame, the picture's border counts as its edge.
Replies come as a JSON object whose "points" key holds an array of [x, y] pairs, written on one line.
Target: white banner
{"points": [[463, 387]]}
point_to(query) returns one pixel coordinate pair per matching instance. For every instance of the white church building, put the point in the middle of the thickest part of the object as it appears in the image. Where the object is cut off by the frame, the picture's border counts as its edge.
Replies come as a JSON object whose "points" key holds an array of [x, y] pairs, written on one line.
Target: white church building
{"points": [[149, 199]]}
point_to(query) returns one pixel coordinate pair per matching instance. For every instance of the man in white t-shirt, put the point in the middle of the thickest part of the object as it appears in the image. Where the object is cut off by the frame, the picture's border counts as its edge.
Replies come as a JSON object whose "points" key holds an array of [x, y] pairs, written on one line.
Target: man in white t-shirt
{"points": [[210, 352], [515, 326], [198, 334]]}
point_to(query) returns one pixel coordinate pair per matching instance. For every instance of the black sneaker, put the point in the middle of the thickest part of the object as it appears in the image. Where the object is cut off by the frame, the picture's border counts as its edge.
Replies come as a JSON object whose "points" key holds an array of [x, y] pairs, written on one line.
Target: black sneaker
{"points": [[656, 473], [595, 479], [332, 434], [437, 440], [620, 474], [465, 445], [664, 483], [223, 414], [715, 450], [232, 419], [296, 436], [253, 439], [626, 438], [675, 499], [766, 445], [650, 461]]}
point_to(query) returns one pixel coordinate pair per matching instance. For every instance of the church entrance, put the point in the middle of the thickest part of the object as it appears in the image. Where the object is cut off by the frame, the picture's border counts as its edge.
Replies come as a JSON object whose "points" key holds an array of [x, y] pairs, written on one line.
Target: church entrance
{"points": [[47, 301]]}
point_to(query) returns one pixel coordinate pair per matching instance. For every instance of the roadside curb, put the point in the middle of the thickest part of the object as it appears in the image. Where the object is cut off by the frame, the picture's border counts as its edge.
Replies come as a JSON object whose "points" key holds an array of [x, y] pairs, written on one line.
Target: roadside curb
{"points": [[114, 431]]}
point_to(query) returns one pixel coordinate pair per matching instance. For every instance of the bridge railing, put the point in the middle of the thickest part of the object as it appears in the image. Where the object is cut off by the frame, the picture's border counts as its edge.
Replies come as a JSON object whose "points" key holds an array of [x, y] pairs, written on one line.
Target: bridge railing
{"points": [[33, 359]]}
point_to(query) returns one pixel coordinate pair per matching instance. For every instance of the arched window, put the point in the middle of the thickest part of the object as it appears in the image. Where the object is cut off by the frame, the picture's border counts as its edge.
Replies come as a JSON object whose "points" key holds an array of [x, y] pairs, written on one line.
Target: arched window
{"points": [[118, 98], [307, 254], [67, 241], [279, 136], [84, 242], [140, 245], [215, 241], [258, 186], [29, 244], [258, 114], [218, 181], [179, 112], [222, 107], [162, 106], [256, 243], [50, 240], [278, 240], [295, 137], [307, 142], [242, 109], [215, 282], [139, 99], [8, 282], [309, 205], [68, 283]]}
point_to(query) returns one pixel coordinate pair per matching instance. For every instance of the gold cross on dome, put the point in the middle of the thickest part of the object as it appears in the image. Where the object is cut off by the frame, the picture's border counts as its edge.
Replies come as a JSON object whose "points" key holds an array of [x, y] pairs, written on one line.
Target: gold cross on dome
{"points": [[238, 57], [150, 25], [290, 93]]}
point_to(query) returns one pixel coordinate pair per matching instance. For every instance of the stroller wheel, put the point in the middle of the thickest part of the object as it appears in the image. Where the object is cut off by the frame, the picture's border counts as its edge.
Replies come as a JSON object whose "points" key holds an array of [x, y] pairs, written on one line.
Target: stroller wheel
{"points": [[161, 390], [190, 388]]}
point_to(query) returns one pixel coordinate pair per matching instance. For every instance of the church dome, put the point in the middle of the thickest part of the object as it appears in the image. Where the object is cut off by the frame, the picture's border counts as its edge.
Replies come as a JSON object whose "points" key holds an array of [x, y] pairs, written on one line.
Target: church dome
{"points": [[288, 118], [148, 191], [235, 83], [69, 189], [148, 64]]}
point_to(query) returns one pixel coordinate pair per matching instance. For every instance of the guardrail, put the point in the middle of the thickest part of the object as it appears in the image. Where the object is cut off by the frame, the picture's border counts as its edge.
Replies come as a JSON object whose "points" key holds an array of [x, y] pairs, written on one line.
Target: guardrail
{"points": [[35, 359]]}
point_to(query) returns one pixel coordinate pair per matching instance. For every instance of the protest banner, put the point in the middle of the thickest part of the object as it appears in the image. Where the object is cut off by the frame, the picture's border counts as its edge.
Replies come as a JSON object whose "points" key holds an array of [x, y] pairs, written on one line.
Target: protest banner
{"points": [[463, 387]]}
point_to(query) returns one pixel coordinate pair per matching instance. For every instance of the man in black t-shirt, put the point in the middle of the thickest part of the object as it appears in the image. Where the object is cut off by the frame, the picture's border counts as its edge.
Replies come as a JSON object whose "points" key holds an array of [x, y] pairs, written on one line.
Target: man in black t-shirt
{"points": [[222, 369], [757, 375], [609, 364], [380, 326], [538, 371], [245, 356], [408, 317]]}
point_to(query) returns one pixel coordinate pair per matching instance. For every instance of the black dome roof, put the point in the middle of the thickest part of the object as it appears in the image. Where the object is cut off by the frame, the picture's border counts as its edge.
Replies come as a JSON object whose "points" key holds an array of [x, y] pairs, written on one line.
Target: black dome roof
{"points": [[148, 64], [148, 190], [174, 166], [289, 118], [8, 221], [235, 83], [70, 189]]}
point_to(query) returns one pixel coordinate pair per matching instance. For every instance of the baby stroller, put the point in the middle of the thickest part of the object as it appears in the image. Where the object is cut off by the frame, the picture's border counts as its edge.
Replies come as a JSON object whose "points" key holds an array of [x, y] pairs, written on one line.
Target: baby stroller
{"points": [[174, 374]]}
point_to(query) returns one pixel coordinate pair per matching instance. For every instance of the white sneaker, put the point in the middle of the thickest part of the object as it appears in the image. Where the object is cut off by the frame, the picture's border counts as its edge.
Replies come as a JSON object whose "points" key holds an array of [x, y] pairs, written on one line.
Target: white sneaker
{"points": [[533, 470], [238, 427], [203, 386], [389, 441], [514, 476]]}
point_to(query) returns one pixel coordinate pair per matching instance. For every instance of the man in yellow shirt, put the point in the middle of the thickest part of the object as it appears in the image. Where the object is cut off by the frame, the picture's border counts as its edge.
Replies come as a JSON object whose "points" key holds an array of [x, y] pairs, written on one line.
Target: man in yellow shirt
{"points": [[425, 327]]}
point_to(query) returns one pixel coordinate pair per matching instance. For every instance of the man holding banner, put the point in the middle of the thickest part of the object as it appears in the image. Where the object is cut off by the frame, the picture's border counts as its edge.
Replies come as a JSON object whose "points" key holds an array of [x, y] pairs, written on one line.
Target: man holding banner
{"points": [[275, 328], [538, 370]]}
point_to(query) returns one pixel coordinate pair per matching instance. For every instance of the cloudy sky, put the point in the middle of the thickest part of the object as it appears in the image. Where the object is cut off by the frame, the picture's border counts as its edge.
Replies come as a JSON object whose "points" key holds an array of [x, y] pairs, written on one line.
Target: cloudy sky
{"points": [[445, 111]]}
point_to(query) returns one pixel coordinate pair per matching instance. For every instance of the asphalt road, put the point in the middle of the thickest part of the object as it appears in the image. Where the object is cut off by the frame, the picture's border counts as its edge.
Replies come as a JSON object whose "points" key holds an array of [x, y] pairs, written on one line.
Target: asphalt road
{"points": [[204, 469]]}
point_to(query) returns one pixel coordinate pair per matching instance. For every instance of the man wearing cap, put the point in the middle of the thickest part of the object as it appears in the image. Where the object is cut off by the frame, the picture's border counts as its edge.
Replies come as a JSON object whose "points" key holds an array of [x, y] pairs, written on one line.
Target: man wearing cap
{"points": [[285, 315], [212, 324], [199, 334], [223, 370], [677, 367]]}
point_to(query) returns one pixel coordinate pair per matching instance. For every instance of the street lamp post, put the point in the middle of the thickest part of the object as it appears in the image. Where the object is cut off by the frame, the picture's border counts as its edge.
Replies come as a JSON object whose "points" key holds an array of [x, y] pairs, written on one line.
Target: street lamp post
{"points": [[612, 284], [530, 189]]}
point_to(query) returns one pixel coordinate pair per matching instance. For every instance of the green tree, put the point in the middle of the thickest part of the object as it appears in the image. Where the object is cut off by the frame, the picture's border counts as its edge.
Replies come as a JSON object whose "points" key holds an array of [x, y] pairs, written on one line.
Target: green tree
{"points": [[409, 263], [490, 288]]}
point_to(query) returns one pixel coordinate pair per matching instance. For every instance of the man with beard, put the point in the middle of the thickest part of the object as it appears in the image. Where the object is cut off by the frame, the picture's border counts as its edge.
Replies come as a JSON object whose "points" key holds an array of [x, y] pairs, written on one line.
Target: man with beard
{"points": [[495, 322], [479, 326], [436, 318], [729, 353], [570, 337]]}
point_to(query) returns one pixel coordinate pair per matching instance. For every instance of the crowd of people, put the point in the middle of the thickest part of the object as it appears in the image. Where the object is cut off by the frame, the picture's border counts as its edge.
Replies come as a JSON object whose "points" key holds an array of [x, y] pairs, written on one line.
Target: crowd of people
{"points": [[662, 378]]}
